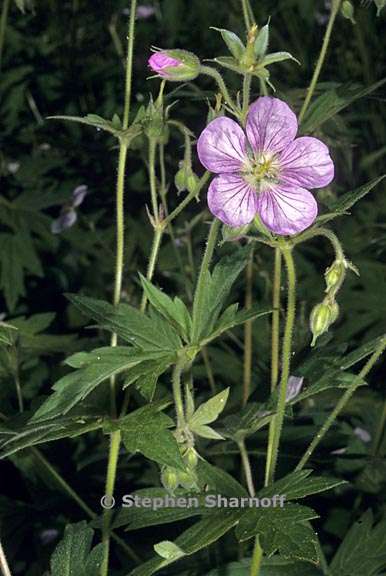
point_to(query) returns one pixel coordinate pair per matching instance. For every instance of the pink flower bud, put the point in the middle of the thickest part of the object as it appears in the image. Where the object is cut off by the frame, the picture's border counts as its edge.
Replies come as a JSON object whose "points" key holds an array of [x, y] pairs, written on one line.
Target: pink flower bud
{"points": [[175, 65]]}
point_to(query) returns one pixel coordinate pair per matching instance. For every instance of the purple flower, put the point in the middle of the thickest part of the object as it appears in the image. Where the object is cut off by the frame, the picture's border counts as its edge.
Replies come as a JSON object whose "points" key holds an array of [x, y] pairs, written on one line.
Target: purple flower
{"points": [[265, 171], [145, 11], [67, 219], [294, 386], [160, 63], [79, 194]]}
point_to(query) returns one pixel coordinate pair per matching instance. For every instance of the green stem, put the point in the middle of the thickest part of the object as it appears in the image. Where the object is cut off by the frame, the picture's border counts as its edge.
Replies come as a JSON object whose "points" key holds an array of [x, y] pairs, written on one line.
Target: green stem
{"points": [[115, 438], [198, 311], [257, 558], [3, 562], [275, 347], [177, 393], [203, 180], [3, 27], [158, 233], [115, 441], [342, 403], [326, 40], [246, 96], [247, 468], [129, 65], [213, 73], [329, 234], [274, 438], [246, 14], [152, 179], [248, 335], [208, 369]]}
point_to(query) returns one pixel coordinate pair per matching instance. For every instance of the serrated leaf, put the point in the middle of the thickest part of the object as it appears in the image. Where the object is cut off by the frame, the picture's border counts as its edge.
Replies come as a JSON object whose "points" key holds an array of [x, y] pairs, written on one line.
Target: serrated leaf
{"points": [[73, 554], [232, 318], [251, 521], [146, 332], [74, 387], [146, 430], [334, 101], [174, 311], [347, 201], [363, 550], [233, 42], [299, 484]]}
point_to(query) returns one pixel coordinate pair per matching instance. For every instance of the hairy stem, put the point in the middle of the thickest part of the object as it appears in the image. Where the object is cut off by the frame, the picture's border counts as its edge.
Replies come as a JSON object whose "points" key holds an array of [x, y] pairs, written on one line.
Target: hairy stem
{"points": [[323, 52], [115, 438], [379, 431], [248, 334], [158, 233], [246, 14], [327, 233], [177, 393], [246, 96], [198, 310], [213, 73], [275, 432], [275, 348], [203, 180], [257, 558], [247, 468], [341, 404]]}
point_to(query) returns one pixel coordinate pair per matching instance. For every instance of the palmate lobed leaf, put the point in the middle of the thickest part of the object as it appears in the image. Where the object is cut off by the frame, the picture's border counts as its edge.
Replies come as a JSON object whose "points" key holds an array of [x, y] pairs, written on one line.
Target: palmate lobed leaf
{"points": [[147, 430], [246, 422], [73, 554]]}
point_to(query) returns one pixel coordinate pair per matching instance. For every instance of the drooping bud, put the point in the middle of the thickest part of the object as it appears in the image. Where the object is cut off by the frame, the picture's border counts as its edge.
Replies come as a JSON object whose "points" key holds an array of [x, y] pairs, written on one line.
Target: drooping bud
{"points": [[347, 11], [186, 179], [175, 65], [334, 275], [187, 480], [380, 4], [169, 479], [322, 316]]}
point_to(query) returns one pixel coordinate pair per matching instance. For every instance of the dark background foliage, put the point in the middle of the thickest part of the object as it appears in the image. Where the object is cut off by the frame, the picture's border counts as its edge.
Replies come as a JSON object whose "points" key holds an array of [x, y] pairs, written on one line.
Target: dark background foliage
{"points": [[66, 57]]}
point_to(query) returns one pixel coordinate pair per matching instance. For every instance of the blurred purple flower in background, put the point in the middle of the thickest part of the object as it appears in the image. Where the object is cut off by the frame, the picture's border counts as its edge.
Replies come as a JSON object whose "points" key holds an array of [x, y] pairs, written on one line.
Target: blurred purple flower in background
{"points": [[294, 387], [265, 170], [145, 11], [68, 215]]}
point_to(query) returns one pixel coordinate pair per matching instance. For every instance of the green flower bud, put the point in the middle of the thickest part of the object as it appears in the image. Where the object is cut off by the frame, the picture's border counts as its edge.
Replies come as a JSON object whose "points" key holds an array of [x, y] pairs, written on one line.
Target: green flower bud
{"points": [[186, 179], [380, 4], [334, 275], [191, 458], [347, 11], [188, 479], [169, 479], [322, 316]]}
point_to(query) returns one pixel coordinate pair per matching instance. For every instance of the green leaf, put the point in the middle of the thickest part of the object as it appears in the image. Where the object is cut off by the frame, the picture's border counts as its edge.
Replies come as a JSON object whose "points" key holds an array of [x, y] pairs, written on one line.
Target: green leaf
{"points": [[218, 481], [334, 101], [363, 551], [76, 386], [233, 42], [275, 566], [209, 411], [361, 352], [230, 63], [298, 484], [277, 57], [146, 430], [33, 434], [169, 550], [174, 311], [252, 520], [141, 331], [231, 318], [205, 431], [199, 536], [90, 120], [73, 554], [246, 422], [345, 202]]}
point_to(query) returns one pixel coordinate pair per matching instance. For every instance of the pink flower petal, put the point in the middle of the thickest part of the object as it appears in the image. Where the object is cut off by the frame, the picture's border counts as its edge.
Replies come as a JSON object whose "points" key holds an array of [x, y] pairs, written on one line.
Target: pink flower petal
{"points": [[232, 200], [307, 162], [221, 146], [271, 125], [286, 208]]}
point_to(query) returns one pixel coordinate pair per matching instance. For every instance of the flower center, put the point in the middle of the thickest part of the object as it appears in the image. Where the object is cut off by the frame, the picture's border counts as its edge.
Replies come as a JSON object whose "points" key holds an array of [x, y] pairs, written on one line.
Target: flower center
{"points": [[261, 170]]}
